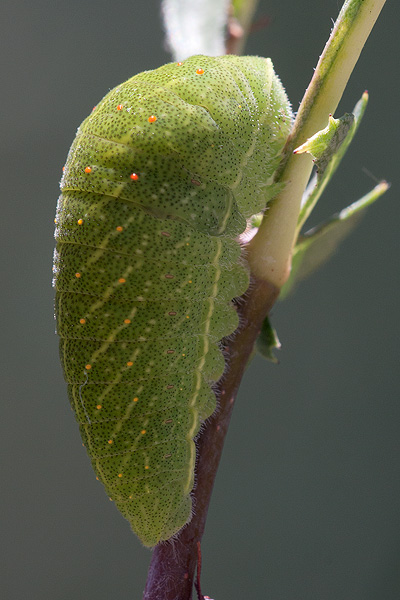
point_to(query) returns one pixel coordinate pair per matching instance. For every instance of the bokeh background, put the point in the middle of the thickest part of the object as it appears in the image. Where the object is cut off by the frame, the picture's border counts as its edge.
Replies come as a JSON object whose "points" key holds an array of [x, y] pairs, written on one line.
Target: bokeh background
{"points": [[306, 503]]}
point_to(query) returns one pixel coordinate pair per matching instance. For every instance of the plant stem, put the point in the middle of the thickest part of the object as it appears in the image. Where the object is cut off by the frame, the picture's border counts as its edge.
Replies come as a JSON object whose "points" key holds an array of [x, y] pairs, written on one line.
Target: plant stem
{"points": [[271, 249]]}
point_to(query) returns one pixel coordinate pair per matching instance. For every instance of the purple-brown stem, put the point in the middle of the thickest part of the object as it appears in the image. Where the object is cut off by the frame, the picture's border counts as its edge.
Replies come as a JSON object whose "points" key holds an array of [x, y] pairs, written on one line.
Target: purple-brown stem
{"points": [[173, 564]]}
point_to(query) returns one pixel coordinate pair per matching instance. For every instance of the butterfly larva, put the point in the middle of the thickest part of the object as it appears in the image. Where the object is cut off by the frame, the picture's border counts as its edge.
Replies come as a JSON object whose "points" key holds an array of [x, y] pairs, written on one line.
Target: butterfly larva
{"points": [[157, 186]]}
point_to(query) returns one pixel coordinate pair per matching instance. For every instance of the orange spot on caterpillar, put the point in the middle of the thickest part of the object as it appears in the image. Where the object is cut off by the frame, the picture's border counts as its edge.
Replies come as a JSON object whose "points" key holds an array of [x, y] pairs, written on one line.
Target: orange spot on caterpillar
{"points": [[136, 399], [119, 228], [120, 107], [143, 431], [179, 64], [82, 321], [88, 170], [63, 169], [88, 367], [127, 321], [77, 275], [97, 479], [152, 119], [94, 108], [121, 280], [80, 221], [110, 441], [129, 363], [98, 406], [119, 474], [199, 71], [147, 467], [190, 281], [134, 176]]}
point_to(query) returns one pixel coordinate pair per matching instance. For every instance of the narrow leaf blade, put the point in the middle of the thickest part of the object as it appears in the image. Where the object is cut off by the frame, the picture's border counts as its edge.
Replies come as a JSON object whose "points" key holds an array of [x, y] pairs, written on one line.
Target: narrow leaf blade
{"points": [[318, 244], [337, 137]]}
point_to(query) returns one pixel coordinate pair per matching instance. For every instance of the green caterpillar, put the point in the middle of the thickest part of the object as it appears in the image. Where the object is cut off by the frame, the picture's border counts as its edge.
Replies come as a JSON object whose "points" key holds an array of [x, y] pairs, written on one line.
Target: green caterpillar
{"points": [[157, 187]]}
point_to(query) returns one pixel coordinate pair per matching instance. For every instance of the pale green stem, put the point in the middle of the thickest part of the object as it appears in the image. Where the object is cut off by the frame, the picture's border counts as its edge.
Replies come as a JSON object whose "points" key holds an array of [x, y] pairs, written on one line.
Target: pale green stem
{"points": [[270, 251]]}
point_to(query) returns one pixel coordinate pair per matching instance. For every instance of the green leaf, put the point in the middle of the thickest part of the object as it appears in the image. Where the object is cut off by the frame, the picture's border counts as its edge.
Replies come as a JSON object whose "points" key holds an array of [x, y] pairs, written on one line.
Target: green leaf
{"points": [[326, 143], [317, 245], [268, 341], [328, 148]]}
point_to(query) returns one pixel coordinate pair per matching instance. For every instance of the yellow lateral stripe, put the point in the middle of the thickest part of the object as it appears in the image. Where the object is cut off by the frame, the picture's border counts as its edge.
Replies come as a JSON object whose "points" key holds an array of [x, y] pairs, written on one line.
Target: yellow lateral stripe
{"points": [[193, 430]]}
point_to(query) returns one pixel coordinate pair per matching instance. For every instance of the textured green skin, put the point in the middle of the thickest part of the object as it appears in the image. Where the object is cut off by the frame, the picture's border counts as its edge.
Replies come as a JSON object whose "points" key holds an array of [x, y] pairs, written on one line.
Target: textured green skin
{"points": [[204, 166]]}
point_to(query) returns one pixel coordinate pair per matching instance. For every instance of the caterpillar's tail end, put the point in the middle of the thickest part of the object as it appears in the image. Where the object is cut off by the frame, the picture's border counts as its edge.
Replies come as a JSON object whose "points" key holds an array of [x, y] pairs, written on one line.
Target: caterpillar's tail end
{"points": [[157, 519]]}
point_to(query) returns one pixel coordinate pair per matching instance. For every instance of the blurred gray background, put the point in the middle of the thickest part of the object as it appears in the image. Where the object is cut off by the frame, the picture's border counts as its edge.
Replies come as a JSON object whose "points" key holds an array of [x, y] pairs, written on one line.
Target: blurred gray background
{"points": [[306, 504]]}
